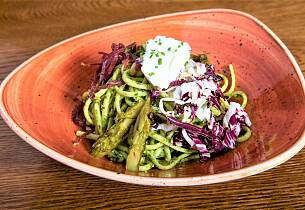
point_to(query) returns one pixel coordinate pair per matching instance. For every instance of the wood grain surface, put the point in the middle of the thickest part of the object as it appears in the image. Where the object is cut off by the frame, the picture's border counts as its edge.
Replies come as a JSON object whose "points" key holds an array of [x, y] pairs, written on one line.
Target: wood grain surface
{"points": [[31, 180]]}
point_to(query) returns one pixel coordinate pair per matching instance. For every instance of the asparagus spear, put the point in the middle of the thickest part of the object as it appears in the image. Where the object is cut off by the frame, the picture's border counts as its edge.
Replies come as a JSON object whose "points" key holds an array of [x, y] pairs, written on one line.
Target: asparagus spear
{"points": [[111, 139], [139, 137]]}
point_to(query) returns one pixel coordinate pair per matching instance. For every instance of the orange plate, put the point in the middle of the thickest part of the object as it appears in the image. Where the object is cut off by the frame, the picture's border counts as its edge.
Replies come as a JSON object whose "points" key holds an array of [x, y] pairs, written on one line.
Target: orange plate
{"points": [[37, 97]]}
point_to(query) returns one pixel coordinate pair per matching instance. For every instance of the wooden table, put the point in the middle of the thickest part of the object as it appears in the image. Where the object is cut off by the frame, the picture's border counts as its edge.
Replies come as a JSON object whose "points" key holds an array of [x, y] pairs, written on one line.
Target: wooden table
{"points": [[31, 180]]}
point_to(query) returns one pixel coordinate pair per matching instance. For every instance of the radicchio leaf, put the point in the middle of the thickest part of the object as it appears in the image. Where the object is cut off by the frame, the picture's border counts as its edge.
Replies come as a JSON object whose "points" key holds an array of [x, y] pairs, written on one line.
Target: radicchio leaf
{"points": [[187, 126], [119, 55]]}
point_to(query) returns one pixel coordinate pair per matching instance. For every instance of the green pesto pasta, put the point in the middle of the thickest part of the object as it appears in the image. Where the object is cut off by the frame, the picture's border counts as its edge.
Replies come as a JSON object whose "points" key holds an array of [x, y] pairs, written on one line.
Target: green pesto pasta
{"points": [[130, 120]]}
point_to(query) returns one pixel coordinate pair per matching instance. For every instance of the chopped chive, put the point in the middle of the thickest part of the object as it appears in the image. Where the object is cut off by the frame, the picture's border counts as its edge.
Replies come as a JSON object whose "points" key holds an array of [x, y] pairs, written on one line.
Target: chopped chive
{"points": [[151, 74], [162, 53], [156, 67], [160, 61], [169, 49]]}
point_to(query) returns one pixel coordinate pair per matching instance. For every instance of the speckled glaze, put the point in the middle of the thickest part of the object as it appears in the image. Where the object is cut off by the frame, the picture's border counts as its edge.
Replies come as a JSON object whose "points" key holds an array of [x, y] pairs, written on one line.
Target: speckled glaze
{"points": [[37, 98]]}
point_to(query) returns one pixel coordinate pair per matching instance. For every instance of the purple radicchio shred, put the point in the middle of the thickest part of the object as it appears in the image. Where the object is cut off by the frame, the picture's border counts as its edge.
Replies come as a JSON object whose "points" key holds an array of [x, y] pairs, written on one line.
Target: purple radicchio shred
{"points": [[199, 145], [218, 132], [155, 119], [177, 82], [77, 115], [218, 93], [230, 139], [111, 84], [211, 143], [214, 101], [202, 145], [214, 138], [233, 120], [178, 139], [209, 74], [185, 97], [138, 65], [217, 145], [179, 108], [119, 55], [194, 109], [187, 126], [217, 135], [208, 146], [154, 94], [241, 117], [206, 75], [236, 122]]}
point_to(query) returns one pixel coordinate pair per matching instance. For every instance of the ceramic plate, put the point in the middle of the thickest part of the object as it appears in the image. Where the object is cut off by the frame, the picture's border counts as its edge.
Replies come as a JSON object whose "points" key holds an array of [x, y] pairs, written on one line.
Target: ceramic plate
{"points": [[37, 97]]}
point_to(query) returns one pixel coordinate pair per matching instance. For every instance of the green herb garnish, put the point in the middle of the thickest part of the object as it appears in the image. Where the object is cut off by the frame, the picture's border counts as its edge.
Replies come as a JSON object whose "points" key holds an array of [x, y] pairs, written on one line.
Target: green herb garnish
{"points": [[160, 61], [151, 74]]}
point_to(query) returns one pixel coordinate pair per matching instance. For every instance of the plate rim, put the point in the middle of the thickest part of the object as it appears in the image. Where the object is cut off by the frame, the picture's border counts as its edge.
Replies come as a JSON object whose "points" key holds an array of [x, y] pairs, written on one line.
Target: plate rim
{"points": [[156, 181]]}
